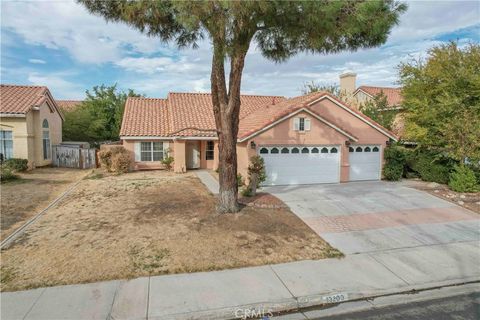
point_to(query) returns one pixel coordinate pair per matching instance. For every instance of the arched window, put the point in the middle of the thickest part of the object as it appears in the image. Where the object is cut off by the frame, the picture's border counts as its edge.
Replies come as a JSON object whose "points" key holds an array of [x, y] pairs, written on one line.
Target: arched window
{"points": [[305, 150], [263, 151], [324, 150], [333, 150], [274, 150], [359, 149], [46, 140], [295, 150], [285, 150], [315, 150], [375, 149], [350, 149], [367, 149]]}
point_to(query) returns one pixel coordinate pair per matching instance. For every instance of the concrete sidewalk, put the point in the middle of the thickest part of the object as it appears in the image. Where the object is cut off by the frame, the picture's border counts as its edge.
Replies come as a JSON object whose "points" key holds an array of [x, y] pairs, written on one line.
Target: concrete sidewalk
{"points": [[208, 180], [233, 293]]}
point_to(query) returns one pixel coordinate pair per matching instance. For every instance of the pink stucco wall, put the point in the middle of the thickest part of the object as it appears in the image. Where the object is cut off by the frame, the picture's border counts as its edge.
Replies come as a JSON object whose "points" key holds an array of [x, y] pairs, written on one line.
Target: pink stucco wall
{"points": [[144, 165]]}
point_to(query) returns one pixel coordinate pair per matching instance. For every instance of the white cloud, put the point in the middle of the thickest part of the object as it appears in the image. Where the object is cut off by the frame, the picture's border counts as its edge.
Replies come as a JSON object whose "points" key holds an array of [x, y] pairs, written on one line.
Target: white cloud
{"points": [[37, 61], [57, 84]]}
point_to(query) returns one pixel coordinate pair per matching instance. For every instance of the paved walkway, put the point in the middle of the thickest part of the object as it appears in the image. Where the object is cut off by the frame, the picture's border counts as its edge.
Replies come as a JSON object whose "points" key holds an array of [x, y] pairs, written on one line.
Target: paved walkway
{"points": [[208, 180], [232, 293], [375, 216]]}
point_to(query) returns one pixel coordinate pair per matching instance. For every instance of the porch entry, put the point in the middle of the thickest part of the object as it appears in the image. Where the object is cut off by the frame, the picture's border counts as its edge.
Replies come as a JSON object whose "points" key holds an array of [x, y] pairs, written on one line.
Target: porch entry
{"points": [[193, 154]]}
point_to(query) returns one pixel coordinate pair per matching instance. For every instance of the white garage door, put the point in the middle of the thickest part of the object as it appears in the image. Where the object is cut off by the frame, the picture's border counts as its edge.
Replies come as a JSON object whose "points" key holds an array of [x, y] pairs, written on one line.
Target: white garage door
{"points": [[301, 164], [364, 162]]}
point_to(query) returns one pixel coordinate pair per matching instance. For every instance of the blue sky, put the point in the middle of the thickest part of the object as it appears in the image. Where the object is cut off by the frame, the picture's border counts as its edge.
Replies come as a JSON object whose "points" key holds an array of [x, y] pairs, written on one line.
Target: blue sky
{"points": [[60, 45]]}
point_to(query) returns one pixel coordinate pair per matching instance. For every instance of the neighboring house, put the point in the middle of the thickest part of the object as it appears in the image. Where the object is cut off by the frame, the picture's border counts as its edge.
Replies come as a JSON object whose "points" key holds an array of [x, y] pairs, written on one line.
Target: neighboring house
{"points": [[363, 94], [314, 138], [30, 123], [68, 105]]}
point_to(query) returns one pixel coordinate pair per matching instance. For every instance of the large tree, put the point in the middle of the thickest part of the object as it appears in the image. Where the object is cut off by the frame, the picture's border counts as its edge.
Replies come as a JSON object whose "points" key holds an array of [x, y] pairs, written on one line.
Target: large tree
{"points": [[99, 117], [279, 29], [441, 95]]}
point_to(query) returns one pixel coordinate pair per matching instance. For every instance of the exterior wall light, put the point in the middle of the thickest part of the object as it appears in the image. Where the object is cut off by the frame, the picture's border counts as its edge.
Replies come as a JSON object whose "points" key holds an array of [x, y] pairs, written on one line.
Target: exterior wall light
{"points": [[253, 145]]}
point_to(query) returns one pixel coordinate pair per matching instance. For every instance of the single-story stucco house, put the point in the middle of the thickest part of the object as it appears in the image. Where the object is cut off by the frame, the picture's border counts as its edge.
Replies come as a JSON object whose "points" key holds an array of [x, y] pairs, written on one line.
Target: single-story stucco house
{"points": [[314, 138], [30, 123]]}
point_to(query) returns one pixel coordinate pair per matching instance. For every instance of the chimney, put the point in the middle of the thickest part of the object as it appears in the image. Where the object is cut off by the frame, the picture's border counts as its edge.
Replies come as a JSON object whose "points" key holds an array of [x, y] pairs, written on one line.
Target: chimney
{"points": [[347, 83]]}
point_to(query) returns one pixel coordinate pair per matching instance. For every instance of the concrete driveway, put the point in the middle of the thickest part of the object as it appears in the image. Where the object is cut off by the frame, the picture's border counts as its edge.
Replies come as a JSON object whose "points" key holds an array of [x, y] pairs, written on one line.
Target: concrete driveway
{"points": [[376, 216]]}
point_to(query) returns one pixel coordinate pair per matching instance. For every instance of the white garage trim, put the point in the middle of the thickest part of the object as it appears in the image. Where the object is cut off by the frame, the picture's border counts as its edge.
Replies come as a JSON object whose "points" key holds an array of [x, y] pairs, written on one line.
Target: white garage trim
{"points": [[365, 162], [301, 164]]}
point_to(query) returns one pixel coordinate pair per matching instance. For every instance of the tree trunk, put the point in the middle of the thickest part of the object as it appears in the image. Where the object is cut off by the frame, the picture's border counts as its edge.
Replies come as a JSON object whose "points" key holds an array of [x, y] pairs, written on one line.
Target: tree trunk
{"points": [[226, 108]]}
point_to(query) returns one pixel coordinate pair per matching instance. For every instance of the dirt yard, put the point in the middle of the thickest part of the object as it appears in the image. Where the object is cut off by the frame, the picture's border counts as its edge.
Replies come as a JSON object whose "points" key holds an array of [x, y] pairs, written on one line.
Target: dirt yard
{"points": [[467, 200], [150, 223], [23, 198]]}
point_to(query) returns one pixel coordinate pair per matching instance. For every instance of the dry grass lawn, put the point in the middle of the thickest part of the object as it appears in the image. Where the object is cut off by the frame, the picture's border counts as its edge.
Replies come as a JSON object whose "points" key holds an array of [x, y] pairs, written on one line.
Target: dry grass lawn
{"points": [[23, 198], [150, 223]]}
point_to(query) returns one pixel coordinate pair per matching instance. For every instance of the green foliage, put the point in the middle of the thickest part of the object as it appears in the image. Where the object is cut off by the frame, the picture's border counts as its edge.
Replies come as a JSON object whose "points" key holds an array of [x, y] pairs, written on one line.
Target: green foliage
{"points": [[312, 86], [7, 174], [167, 162], [430, 166], [240, 180], [378, 110], [442, 98], [395, 161], [16, 164], [257, 168], [463, 179], [247, 192], [98, 118]]}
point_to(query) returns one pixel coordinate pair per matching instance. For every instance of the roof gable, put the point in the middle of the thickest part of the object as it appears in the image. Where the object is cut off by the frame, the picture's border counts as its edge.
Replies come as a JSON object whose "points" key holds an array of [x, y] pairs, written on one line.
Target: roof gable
{"points": [[20, 99]]}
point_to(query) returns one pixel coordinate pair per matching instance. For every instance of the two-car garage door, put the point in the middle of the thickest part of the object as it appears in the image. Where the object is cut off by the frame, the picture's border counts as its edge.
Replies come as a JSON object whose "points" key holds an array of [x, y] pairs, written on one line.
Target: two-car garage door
{"points": [[301, 164], [290, 165]]}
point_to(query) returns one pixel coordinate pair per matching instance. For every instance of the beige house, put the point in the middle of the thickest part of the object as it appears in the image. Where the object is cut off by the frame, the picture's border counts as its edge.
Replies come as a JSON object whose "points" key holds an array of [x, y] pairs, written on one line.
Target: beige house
{"points": [[308, 139], [30, 123]]}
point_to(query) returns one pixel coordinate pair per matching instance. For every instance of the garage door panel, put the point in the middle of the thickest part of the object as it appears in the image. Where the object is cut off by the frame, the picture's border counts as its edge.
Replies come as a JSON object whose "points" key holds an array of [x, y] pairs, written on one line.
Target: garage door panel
{"points": [[301, 168], [365, 165]]}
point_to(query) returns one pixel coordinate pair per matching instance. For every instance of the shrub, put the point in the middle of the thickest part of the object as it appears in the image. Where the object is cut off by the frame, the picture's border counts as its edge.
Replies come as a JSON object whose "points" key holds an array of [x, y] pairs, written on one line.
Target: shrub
{"points": [[430, 166], [167, 162], [116, 159], [256, 173], [121, 162], [16, 164], [240, 180], [463, 179], [7, 174], [395, 160], [247, 192]]}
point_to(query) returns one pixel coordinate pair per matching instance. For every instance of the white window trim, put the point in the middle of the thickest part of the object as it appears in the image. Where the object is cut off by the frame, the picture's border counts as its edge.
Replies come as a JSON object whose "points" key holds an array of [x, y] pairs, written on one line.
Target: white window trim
{"points": [[138, 151], [2, 138]]}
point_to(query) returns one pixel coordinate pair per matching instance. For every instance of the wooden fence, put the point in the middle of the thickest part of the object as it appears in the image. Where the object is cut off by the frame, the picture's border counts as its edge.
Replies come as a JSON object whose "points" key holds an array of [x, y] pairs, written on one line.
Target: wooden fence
{"points": [[73, 157]]}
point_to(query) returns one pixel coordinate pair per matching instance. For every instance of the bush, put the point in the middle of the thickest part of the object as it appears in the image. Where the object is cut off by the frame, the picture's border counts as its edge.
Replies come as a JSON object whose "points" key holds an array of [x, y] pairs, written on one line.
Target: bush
{"points": [[116, 159], [240, 180], [247, 192], [121, 162], [463, 179], [16, 164], [7, 174], [167, 162], [395, 160], [256, 173], [430, 166]]}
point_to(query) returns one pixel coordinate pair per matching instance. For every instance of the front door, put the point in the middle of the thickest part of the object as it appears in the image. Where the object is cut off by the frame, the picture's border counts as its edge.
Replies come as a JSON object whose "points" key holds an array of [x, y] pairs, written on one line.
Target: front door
{"points": [[193, 155]]}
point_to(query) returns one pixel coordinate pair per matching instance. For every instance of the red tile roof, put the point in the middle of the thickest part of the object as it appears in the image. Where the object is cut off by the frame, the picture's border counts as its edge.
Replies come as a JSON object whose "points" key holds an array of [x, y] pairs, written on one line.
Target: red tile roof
{"points": [[145, 117], [17, 99], [394, 95], [68, 105], [181, 114]]}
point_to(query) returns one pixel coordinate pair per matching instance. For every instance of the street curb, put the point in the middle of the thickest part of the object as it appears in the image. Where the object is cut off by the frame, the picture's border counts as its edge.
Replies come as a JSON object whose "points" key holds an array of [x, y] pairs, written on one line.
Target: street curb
{"points": [[300, 304]]}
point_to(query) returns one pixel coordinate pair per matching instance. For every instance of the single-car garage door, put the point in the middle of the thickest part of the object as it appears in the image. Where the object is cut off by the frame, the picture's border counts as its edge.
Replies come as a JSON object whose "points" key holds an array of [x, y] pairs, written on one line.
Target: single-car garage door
{"points": [[365, 162], [287, 165]]}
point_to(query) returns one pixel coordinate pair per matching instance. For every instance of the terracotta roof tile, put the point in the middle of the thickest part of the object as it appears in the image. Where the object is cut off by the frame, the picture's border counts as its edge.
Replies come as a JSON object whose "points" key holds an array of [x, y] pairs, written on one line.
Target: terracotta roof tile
{"points": [[18, 99], [145, 117], [394, 95], [68, 105]]}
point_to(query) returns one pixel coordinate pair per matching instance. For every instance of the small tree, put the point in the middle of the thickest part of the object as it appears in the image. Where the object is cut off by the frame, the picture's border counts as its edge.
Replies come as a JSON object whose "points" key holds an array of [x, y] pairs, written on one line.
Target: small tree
{"points": [[278, 29], [256, 174], [379, 110]]}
